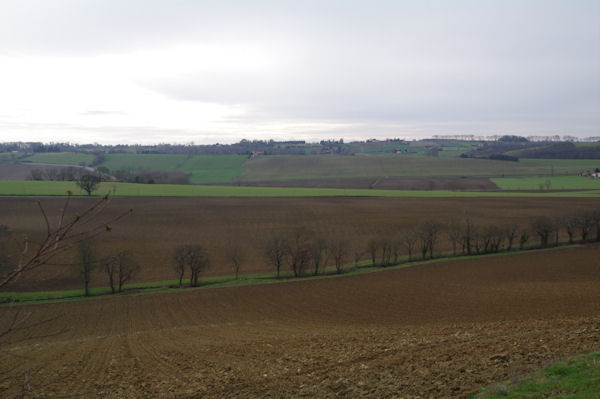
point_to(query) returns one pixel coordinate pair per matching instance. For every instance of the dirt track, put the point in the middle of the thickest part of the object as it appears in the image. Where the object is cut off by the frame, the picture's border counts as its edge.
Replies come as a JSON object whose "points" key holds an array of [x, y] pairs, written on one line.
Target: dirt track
{"points": [[438, 330]]}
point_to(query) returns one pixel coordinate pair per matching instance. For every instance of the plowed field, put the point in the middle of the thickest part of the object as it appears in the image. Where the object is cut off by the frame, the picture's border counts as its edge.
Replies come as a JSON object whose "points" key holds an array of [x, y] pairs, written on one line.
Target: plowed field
{"points": [[158, 225], [435, 330]]}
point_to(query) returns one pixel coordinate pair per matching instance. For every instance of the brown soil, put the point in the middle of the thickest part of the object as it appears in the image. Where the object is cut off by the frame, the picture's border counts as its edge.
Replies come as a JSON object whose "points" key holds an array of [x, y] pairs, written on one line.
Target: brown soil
{"points": [[158, 225], [390, 183], [436, 330], [22, 170]]}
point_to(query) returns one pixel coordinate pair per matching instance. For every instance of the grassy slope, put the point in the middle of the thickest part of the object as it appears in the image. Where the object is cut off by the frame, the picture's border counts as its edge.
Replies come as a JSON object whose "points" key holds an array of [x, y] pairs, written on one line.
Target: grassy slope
{"points": [[203, 168], [330, 167], [8, 156], [575, 378], [43, 188], [60, 158], [164, 162], [213, 168]]}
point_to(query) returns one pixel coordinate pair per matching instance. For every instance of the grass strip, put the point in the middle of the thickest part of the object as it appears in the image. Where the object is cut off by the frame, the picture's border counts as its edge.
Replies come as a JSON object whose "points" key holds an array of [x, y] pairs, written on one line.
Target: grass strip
{"points": [[576, 378], [547, 183], [52, 188]]}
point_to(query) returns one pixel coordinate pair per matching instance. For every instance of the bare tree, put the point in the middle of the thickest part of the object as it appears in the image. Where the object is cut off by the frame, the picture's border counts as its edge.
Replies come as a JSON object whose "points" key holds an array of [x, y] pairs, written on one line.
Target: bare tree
{"points": [[372, 248], [491, 239], [428, 232], [275, 250], [454, 233], [121, 267], [109, 265], [585, 224], [594, 216], [192, 256], [386, 250], [543, 226], [298, 250], [523, 238], [88, 183], [511, 234], [127, 268], [396, 243], [179, 263], [236, 255], [498, 235], [477, 240], [557, 224], [571, 222], [466, 238], [410, 238], [339, 250], [319, 252], [85, 262]]}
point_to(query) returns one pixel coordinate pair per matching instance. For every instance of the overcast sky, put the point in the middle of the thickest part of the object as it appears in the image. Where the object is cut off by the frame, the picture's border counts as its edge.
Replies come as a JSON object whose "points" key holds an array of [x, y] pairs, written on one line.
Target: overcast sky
{"points": [[152, 71]]}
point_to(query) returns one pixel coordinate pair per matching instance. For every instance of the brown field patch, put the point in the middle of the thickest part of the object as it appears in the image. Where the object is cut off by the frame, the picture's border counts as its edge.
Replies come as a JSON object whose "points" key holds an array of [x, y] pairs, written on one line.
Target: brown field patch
{"points": [[158, 225], [436, 330], [22, 170]]}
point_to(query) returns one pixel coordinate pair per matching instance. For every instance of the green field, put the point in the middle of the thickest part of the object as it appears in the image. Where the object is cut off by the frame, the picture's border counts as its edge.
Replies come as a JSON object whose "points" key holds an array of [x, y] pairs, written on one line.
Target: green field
{"points": [[448, 148], [202, 168], [60, 158], [9, 156], [575, 378], [556, 183], [282, 168], [131, 162], [50, 188], [562, 166], [213, 168]]}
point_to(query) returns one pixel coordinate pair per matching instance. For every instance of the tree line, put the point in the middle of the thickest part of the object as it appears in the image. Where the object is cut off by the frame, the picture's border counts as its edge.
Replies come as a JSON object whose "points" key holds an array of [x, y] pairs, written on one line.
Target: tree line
{"points": [[304, 252]]}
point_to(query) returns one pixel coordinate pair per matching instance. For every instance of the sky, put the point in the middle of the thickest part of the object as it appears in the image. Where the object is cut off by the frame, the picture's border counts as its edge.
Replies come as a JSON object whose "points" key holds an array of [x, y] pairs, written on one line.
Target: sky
{"points": [[182, 71]]}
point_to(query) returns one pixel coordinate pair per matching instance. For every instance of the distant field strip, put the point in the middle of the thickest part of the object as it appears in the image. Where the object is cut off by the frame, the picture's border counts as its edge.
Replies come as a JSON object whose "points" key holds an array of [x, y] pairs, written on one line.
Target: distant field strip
{"points": [[282, 168], [202, 168], [60, 158], [49, 188], [555, 183]]}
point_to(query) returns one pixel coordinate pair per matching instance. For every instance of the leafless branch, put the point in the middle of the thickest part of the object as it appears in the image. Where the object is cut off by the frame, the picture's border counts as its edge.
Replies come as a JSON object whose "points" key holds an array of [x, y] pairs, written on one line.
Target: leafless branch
{"points": [[64, 237]]}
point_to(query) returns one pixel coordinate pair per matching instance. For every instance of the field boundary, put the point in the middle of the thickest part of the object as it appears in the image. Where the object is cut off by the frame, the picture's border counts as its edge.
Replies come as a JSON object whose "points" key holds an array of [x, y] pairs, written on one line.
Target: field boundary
{"points": [[22, 188]]}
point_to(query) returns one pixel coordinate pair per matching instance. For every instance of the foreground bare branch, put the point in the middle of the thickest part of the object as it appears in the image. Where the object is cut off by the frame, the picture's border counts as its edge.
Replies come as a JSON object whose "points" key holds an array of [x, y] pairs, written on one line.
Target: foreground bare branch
{"points": [[65, 236]]}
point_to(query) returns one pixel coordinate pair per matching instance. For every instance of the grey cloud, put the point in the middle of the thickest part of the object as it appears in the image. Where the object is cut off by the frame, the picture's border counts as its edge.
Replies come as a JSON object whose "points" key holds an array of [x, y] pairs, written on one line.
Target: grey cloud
{"points": [[433, 63]]}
